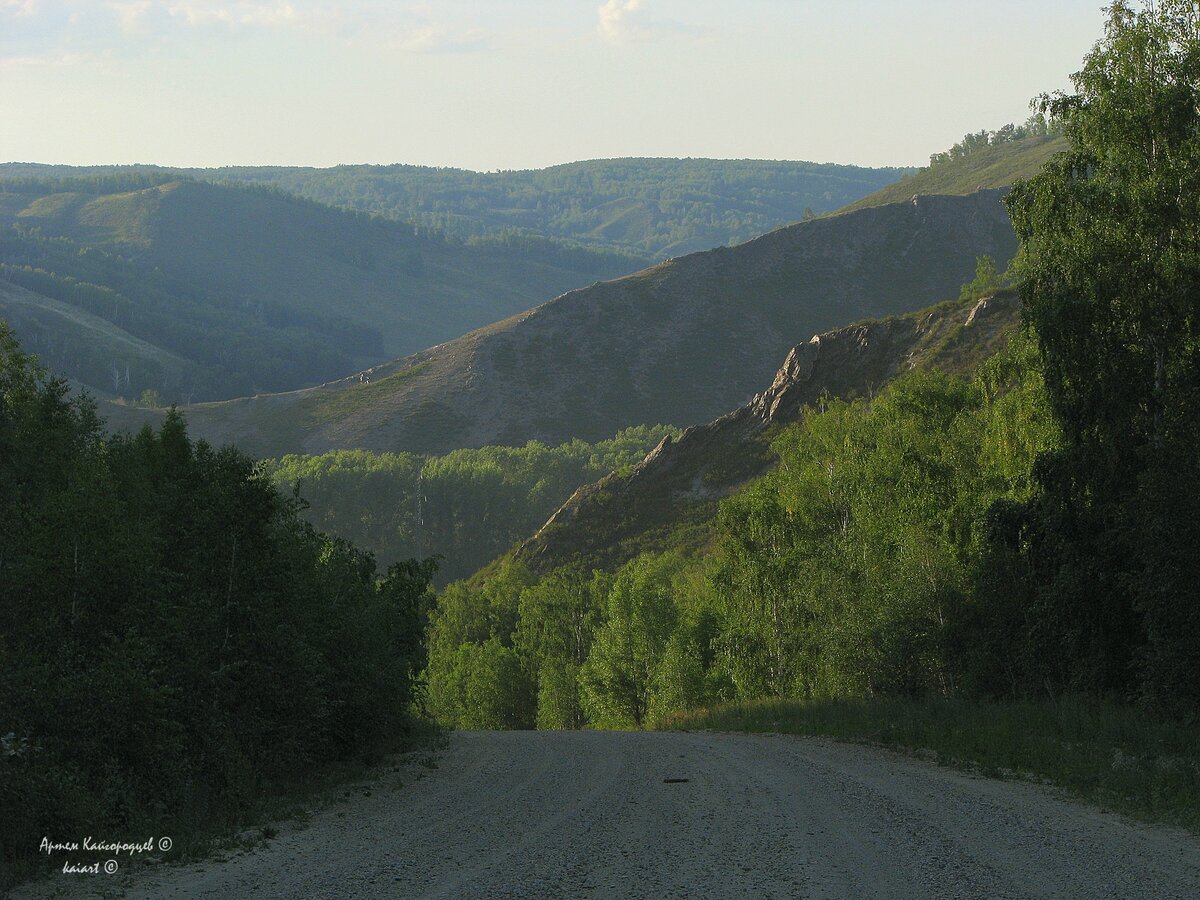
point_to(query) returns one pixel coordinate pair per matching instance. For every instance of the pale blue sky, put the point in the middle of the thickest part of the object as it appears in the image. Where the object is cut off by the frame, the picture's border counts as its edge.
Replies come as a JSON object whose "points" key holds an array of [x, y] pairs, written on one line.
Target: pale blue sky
{"points": [[521, 84]]}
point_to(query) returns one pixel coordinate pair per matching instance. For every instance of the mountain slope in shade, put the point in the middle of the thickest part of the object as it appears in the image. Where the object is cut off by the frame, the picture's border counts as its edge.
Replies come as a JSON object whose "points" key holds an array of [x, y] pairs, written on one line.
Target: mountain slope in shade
{"points": [[259, 291], [58, 331], [679, 483], [678, 343]]}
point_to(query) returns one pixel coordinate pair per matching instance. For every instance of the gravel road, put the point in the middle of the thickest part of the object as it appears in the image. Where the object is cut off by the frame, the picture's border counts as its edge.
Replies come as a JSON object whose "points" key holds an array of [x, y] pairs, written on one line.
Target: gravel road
{"points": [[592, 814]]}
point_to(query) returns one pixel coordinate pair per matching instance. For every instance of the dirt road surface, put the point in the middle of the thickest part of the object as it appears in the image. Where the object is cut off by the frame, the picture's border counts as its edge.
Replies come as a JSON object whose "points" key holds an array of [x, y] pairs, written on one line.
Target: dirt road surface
{"points": [[596, 814]]}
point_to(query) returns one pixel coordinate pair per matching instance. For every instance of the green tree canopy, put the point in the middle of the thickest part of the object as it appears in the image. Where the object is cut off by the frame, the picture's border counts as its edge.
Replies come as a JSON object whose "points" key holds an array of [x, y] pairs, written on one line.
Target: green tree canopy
{"points": [[1110, 264]]}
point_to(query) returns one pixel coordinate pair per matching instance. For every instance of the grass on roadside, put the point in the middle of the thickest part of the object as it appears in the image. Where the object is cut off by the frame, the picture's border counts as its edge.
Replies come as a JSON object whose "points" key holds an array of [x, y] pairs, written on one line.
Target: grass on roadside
{"points": [[1117, 757]]}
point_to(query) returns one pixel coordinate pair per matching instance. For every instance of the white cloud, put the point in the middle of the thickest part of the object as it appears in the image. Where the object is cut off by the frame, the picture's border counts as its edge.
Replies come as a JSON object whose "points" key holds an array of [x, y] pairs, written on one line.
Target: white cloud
{"points": [[130, 13], [239, 12], [629, 20], [22, 9], [432, 38], [619, 19]]}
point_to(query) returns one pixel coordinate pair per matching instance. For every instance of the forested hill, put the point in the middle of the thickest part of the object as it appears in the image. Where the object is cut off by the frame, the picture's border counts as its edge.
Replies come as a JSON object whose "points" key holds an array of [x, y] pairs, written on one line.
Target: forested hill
{"points": [[651, 207], [131, 283], [679, 343]]}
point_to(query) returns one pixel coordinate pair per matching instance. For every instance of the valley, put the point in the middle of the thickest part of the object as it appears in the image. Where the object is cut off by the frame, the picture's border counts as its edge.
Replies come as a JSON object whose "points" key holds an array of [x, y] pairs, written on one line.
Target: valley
{"points": [[248, 289], [640, 525], [679, 343]]}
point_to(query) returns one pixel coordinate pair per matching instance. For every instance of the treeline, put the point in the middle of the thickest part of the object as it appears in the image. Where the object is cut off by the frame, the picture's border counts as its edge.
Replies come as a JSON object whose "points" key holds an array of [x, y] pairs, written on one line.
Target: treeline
{"points": [[118, 180], [852, 569], [644, 207], [176, 640], [1036, 126], [568, 253], [468, 506], [657, 207]]}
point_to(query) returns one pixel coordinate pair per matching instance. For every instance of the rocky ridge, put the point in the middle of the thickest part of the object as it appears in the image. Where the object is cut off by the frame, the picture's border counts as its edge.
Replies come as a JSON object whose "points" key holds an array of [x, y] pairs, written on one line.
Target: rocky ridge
{"points": [[681, 480]]}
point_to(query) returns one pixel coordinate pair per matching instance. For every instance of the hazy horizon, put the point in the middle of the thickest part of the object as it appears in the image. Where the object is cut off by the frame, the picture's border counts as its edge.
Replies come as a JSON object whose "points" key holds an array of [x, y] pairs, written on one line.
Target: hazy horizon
{"points": [[352, 164], [521, 85]]}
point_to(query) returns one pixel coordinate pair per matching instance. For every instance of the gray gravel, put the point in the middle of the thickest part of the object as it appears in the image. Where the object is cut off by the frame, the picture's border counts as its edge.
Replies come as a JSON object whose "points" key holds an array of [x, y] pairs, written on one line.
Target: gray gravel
{"points": [[588, 814]]}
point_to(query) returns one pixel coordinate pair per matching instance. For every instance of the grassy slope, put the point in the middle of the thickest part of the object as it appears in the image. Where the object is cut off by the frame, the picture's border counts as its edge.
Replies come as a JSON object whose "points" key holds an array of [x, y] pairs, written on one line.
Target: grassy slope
{"points": [[679, 343], [992, 167], [669, 499], [1116, 757]]}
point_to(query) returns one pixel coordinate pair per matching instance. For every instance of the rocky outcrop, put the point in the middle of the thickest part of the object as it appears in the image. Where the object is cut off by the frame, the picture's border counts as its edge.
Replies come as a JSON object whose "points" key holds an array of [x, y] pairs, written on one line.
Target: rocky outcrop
{"points": [[606, 522]]}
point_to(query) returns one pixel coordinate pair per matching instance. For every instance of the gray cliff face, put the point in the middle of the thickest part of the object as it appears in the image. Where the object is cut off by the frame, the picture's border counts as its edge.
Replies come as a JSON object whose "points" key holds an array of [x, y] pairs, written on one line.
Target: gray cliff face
{"points": [[710, 461]]}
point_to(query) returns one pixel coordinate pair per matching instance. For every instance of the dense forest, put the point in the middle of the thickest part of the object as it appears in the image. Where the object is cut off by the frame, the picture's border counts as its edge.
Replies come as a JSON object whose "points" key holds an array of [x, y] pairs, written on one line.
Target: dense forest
{"points": [[1020, 534], [176, 640], [468, 506], [847, 571], [647, 207]]}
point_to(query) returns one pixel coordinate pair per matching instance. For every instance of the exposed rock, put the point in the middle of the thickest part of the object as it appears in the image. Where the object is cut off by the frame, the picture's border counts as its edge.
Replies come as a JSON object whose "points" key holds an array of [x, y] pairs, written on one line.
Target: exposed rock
{"points": [[607, 522]]}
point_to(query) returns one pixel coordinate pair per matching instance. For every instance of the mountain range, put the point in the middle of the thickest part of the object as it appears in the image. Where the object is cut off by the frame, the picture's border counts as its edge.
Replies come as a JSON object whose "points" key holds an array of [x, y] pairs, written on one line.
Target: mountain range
{"points": [[652, 208], [678, 343], [197, 291]]}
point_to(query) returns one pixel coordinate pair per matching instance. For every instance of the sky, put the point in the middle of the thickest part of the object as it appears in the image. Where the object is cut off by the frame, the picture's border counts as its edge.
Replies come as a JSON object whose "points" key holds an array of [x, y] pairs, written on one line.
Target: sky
{"points": [[518, 84]]}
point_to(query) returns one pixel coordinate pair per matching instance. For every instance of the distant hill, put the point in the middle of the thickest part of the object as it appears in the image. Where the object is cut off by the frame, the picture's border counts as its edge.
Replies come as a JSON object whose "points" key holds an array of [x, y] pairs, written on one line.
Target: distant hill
{"points": [[675, 489], [985, 168], [71, 339], [654, 208], [678, 343], [226, 291]]}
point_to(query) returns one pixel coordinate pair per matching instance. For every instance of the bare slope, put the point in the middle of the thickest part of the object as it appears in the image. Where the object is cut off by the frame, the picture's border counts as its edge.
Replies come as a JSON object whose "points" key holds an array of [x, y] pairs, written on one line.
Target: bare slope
{"points": [[679, 343], [607, 523], [592, 814]]}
